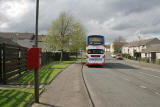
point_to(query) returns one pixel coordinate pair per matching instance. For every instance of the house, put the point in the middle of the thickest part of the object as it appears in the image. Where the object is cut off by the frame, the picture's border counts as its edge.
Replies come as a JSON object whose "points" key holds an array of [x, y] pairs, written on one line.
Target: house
{"points": [[111, 48], [138, 46], [21, 39], [152, 52]]}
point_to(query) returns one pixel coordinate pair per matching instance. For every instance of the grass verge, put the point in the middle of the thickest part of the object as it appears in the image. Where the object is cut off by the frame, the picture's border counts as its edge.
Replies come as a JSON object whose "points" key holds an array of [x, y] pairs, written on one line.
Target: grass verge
{"points": [[15, 97], [46, 73], [22, 97]]}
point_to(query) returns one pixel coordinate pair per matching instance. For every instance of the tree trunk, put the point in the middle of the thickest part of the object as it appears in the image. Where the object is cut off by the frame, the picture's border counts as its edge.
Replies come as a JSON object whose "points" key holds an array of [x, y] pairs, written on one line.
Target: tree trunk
{"points": [[61, 58], [76, 54]]}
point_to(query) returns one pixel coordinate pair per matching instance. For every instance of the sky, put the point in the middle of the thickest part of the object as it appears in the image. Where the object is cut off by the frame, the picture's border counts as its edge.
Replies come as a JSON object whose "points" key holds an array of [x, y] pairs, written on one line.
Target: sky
{"points": [[130, 19]]}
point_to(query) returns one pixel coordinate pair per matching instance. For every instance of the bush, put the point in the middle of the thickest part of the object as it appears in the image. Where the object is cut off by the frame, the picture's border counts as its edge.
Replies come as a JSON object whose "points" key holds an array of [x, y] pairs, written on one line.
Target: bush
{"points": [[157, 62], [137, 55], [126, 56]]}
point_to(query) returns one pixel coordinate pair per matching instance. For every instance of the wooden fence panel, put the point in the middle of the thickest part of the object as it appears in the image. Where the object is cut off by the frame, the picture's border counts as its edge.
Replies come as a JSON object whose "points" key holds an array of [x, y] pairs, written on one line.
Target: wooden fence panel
{"points": [[4, 79], [14, 60], [0, 63]]}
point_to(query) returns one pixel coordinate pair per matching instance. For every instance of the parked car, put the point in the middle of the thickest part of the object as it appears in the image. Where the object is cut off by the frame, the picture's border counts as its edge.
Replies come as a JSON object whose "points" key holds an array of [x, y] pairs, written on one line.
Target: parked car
{"points": [[113, 55], [119, 57]]}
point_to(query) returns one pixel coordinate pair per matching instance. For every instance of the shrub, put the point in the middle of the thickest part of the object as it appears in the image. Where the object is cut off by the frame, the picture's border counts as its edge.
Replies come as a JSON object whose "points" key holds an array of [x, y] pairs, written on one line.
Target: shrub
{"points": [[137, 55]]}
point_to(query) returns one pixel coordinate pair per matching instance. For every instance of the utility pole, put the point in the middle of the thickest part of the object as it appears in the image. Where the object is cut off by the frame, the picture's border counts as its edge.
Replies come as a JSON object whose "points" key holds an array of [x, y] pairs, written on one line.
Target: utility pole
{"points": [[36, 73]]}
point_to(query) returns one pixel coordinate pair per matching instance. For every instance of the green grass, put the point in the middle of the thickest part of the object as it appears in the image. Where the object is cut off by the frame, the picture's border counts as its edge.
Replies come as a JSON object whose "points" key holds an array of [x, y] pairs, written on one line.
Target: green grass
{"points": [[22, 97], [83, 59], [15, 97], [46, 73]]}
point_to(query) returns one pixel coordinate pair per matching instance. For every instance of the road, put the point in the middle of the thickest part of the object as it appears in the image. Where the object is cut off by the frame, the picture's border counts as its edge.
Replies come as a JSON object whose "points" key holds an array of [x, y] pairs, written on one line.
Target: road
{"points": [[120, 85]]}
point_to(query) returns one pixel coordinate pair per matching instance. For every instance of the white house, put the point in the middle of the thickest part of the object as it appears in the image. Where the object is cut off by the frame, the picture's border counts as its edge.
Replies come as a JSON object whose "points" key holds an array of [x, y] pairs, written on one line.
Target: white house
{"points": [[138, 46], [152, 52], [112, 48]]}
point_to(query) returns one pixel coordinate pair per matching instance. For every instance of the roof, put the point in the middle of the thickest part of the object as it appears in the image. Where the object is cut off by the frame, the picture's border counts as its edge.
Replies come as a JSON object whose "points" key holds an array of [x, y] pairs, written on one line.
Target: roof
{"points": [[8, 41], [152, 48], [95, 35], [29, 43], [39, 37], [139, 43], [20, 39], [15, 35]]}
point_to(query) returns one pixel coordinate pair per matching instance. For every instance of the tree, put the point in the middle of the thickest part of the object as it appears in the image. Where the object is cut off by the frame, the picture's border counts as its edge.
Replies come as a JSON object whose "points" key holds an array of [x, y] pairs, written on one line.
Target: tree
{"points": [[118, 43], [78, 38], [108, 46], [64, 34]]}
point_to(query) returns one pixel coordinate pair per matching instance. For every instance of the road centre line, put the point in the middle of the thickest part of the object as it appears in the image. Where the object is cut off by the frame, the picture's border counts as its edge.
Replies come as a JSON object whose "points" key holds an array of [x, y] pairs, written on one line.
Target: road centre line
{"points": [[150, 75]]}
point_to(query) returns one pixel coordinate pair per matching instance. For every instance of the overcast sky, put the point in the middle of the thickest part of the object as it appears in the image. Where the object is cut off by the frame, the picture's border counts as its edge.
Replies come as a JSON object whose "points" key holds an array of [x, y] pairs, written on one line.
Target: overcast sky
{"points": [[112, 18]]}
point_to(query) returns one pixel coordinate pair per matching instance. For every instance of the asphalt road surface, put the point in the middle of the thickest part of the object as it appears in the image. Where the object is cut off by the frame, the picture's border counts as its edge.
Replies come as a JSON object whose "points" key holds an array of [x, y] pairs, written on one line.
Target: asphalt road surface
{"points": [[120, 85]]}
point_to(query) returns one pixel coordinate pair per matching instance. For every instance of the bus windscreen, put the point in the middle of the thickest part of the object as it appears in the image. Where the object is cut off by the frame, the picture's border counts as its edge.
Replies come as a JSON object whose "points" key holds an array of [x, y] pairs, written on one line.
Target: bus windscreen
{"points": [[95, 40], [95, 51]]}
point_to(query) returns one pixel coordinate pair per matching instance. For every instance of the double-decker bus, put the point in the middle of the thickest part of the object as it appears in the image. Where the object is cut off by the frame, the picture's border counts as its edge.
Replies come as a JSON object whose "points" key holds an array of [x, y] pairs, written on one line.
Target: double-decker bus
{"points": [[95, 50]]}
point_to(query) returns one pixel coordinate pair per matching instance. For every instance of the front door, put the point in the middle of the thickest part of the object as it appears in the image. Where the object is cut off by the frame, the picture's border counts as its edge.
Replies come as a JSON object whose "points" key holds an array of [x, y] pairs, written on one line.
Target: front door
{"points": [[153, 56]]}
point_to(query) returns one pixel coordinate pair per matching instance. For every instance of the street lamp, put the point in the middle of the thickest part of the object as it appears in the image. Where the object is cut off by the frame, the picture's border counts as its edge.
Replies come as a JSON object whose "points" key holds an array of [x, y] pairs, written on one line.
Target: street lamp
{"points": [[81, 51]]}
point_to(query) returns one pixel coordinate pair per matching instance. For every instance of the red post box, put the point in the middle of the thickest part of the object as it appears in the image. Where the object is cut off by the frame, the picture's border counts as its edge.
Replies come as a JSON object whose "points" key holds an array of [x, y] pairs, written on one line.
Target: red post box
{"points": [[34, 58]]}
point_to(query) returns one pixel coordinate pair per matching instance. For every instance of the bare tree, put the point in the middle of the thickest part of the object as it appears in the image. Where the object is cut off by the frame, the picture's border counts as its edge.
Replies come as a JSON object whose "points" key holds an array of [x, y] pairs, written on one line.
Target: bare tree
{"points": [[118, 43]]}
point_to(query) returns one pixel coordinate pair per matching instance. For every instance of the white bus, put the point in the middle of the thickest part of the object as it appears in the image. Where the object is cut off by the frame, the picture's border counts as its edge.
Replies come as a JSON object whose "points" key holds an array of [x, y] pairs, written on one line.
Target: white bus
{"points": [[95, 50]]}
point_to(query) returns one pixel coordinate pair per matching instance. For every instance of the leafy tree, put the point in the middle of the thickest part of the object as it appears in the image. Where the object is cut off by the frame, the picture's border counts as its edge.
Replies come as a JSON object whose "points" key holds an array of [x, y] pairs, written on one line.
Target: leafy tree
{"points": [[108, 46], [78, 38], [64, 34]]}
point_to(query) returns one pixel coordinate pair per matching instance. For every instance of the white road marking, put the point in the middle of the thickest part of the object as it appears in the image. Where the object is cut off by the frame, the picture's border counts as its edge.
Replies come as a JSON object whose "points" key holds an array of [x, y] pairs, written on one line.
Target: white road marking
{"points": [[157, 93], [126, 79], [154, 91], [150, 75], [141, 86]]}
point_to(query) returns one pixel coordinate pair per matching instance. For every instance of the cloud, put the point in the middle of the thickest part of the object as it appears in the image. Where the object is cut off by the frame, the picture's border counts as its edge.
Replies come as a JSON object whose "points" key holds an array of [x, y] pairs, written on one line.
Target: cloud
{"points": [[134, 6], [151, 30], [111, 18]]}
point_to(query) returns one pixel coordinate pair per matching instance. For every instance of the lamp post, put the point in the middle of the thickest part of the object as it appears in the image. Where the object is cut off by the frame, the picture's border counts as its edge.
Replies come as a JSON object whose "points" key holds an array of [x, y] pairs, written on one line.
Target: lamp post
{"points": [[81, 54], [36, 75]]}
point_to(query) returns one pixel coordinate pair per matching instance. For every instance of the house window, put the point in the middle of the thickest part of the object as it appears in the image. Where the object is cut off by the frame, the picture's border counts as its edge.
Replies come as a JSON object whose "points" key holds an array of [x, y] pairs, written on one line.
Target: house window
{"points": [[143, 46]]}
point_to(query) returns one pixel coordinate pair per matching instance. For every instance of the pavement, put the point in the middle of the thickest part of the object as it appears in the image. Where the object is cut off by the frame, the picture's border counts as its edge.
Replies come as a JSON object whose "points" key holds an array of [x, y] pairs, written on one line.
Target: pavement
{"points": [[67, 90], [142, 65], [121, 84]]}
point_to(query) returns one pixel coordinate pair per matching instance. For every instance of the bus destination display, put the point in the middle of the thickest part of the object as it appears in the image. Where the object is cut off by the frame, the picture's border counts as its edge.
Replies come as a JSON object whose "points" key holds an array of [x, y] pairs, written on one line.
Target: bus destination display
{"points": [[95, 40]]}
